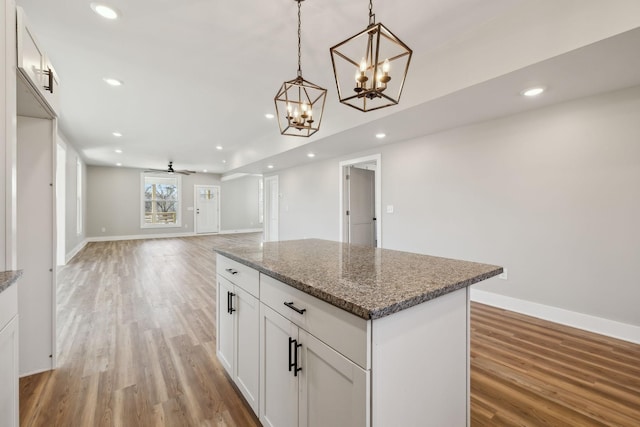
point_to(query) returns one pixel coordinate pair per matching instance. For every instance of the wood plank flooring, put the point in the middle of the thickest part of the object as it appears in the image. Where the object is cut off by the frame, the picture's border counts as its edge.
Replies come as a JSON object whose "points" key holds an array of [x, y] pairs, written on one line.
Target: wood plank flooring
{"points": [[136, 347]]}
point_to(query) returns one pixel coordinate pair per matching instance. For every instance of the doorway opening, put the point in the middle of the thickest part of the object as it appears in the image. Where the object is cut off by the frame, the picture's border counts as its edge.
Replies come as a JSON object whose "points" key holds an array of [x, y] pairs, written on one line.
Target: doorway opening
{"points": [[61, 172], [207, 212], [360, 201], [271, 208]]}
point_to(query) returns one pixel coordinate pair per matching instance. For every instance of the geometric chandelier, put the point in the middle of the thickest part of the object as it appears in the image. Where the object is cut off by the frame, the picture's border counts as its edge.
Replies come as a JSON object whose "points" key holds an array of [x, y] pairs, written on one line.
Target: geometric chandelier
{"points": [[370, 67], [300, 103]]}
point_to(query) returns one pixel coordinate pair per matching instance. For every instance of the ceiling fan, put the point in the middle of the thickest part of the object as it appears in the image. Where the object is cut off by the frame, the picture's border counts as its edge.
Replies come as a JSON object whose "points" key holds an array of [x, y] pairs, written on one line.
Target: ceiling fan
{"points": [[171, 171]]}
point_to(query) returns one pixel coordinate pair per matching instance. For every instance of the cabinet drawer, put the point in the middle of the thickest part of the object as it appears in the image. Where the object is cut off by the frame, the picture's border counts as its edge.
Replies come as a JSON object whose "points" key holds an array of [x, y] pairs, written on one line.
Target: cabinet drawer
{"points": [[8, 304], [239, 274], [346, 333]]}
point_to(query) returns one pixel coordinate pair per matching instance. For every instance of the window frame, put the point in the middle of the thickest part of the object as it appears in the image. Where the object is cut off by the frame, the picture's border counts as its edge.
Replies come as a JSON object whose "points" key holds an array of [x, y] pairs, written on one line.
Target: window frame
{"points": [[178, 178]]}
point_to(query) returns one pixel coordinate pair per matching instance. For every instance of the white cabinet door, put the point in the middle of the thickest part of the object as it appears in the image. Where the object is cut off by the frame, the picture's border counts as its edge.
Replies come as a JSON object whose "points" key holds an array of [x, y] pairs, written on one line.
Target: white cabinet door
{"points": [[9, 374], [247, 348], [31, 58], [279, 381], [333, 389], [225, 333]]}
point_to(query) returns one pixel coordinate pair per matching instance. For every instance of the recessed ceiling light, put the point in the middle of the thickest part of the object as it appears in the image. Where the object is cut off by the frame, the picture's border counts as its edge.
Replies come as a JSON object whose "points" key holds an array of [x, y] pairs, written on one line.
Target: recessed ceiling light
{"points": [[380, 135], [311, 155], [104, 11], [224, 161], [269, 116], [112, 82], [219, 147], [118, 164], [534, 91], [116, 134], [119, 151], [270, 166], [204, 170]]}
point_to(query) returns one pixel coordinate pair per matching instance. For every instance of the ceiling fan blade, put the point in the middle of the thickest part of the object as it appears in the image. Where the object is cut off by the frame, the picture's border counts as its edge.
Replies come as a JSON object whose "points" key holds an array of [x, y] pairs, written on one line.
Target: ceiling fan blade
{"points": [[155, 170], [185, 172]]}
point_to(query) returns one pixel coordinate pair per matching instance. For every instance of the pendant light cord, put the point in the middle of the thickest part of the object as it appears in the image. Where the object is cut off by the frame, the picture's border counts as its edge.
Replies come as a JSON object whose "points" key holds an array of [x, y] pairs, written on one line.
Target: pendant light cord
{"points": [[299, 38]]}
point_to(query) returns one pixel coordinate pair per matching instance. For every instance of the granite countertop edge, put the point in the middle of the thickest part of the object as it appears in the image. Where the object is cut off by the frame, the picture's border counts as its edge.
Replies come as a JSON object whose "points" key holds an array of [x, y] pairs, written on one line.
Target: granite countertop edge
{"points": [[365, 313], [8, 278]]}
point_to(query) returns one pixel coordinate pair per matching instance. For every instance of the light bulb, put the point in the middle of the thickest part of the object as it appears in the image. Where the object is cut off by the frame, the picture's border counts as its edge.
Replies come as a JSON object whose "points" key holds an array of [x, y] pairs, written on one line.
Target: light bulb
{"points": [[363, 66], [385, 66], [289, 108], [304, 107]]}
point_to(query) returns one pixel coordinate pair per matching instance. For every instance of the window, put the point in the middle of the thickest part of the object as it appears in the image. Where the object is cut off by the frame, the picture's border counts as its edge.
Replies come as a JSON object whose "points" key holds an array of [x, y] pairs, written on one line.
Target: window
{"points": [[79, 219], [161, 201]]}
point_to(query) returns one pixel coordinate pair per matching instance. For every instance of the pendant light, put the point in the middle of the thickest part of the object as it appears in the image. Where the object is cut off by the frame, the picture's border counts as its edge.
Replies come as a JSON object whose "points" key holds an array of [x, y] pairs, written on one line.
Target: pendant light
{"points": [[370, 67], [299, 103]]}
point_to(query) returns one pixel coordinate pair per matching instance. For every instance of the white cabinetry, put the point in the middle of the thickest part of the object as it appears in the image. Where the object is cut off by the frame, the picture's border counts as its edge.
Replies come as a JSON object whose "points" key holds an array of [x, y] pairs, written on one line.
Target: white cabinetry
{"points": [[323, 366], [237, 338], [35, 67], [304, 381], [9, 357]]}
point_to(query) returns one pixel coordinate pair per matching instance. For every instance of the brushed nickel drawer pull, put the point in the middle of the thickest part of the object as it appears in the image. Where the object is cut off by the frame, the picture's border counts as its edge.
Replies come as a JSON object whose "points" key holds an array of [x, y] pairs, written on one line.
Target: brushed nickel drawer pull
{"points": [[231, 270]]}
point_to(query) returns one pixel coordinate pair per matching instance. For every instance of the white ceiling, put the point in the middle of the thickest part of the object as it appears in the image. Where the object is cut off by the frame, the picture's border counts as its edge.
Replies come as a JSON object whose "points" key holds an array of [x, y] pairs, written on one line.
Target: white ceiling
{"points": [[201, 73]]}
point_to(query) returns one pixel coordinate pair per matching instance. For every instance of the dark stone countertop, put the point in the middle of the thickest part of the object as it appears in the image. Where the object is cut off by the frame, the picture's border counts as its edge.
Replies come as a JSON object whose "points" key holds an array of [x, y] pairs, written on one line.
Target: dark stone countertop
{"points": [[368, 282], [8, 278]]}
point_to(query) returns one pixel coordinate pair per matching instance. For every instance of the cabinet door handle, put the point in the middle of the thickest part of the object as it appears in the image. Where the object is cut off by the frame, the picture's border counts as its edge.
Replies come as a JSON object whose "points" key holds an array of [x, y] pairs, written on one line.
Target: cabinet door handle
{"points": [[294, 308], [230, 308], [50, 74], [293, 365], [230, 270], [230, 302]]}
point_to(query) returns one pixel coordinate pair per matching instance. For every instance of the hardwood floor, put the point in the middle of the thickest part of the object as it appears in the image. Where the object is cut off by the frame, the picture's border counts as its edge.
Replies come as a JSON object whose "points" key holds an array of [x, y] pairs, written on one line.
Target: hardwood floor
{"points": [[529, 372], [136, 347]]}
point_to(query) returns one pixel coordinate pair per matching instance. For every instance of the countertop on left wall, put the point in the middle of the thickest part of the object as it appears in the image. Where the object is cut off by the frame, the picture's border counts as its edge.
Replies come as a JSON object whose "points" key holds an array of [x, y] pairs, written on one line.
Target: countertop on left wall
{"points": [[8, 278]]}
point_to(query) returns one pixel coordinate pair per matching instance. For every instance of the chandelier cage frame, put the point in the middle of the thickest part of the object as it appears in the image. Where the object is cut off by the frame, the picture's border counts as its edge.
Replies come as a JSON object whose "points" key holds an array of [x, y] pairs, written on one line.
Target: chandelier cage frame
{"points": [[370, 53], [299, 101]]}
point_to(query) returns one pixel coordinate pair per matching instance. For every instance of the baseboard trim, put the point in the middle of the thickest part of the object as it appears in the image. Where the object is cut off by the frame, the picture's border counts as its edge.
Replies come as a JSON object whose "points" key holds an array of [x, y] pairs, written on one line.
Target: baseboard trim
{"points": [[75, 251], [139, 237], [598, 325], [165, 235], [244, 230]]}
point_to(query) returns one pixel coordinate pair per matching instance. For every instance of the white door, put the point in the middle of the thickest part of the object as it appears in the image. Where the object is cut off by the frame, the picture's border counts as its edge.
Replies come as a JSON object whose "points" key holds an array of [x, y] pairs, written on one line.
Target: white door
{"points": [[278, 385], [361, 192], [333, 389], [247, 346], [207, 208], [271, 209], [9, 373]]}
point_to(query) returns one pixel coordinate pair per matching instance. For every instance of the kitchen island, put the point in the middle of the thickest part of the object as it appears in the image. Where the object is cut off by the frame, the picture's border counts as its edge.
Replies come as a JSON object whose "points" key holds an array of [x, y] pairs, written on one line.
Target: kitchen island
{"points": [[315, 332]]}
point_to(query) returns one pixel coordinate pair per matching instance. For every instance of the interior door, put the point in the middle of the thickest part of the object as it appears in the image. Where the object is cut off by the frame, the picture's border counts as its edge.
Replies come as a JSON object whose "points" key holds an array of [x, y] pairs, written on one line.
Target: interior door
{"points": [[361, 190], [207, 209]]}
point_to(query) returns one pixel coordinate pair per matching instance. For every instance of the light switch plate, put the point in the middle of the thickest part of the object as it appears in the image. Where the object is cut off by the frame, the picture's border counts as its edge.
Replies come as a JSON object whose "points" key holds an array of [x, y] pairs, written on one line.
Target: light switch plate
{"points": [[389, 208]]}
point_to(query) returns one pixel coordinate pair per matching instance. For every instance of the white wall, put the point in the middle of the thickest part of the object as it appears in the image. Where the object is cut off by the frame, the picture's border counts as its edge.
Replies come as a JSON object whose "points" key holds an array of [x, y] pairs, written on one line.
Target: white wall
{"points": [[551, 194], [8, 204], [239, 207], [113, 202], [3, 136]]}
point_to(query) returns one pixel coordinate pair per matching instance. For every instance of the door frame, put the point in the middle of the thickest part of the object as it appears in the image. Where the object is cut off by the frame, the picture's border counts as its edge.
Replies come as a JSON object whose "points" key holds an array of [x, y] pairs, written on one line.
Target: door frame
{"points": [[377, 159], [267, 212], [195, 207]]}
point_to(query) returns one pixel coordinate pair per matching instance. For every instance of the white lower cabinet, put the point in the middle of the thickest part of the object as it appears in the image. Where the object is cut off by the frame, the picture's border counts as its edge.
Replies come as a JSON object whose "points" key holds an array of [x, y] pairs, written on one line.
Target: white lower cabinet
{"points": [[238, 338], [9, 357], [306, 383]]}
